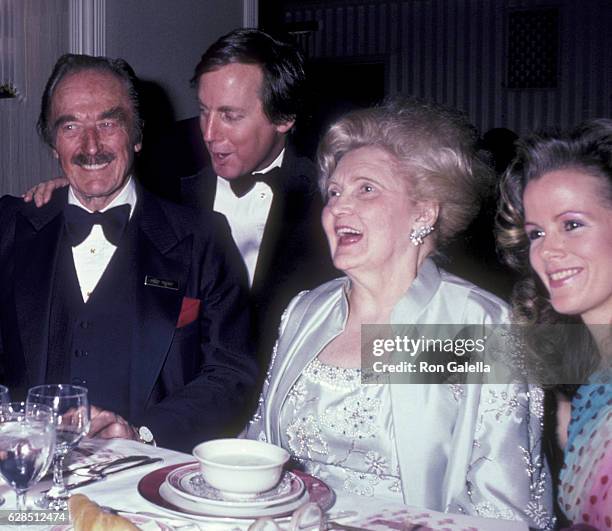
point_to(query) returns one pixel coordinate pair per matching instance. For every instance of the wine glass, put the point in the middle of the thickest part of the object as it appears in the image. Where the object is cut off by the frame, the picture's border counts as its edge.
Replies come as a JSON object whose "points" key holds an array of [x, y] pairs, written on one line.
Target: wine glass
{"points": [[27, 440], [71, 410]]}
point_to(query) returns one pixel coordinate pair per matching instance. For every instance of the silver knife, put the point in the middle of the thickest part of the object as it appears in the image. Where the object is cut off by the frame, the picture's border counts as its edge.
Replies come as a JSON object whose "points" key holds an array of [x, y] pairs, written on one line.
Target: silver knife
{"points": [[102, 475], [106, 467], [83, 470]]}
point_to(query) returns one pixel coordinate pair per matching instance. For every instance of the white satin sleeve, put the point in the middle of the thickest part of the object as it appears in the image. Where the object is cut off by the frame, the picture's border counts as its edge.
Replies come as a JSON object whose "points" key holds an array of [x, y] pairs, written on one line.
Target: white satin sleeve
{"points": [[507, 476], [255, 429]]}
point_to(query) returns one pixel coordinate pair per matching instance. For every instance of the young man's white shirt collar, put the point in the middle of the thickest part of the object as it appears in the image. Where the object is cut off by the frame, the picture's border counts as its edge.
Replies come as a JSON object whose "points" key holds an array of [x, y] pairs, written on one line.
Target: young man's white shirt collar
{"points": [[247, 215]]}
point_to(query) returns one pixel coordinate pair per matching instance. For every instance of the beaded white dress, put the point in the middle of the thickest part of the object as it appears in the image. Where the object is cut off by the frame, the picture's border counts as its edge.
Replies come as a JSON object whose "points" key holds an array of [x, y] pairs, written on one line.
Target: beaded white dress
{"points": [[471, 449], [342, 431]]}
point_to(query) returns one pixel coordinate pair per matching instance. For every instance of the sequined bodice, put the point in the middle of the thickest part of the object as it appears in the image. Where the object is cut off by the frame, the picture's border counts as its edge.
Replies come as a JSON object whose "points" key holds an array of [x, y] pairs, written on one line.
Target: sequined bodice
{"points": [[342, 431]]}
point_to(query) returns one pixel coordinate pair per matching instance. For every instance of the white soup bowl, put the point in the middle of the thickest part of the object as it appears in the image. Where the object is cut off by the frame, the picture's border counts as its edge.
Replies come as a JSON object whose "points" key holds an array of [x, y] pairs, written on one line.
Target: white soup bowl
{"points": [[241, 466]]}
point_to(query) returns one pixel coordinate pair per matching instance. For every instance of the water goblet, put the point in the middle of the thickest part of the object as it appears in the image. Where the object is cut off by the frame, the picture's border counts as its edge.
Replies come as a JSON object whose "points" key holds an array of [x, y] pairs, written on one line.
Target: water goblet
{"points": [[27, 440], [70, 407]]}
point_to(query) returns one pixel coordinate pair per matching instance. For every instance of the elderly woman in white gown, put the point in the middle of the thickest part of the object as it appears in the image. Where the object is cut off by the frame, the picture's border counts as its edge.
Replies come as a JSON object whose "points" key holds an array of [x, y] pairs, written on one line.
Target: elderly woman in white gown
{"points": [[399, 181]]}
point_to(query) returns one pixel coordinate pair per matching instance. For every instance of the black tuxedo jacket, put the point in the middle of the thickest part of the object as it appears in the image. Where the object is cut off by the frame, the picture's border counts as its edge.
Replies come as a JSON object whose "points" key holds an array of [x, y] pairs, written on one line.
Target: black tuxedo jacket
{"points": [[187, 384], [294, 254]]}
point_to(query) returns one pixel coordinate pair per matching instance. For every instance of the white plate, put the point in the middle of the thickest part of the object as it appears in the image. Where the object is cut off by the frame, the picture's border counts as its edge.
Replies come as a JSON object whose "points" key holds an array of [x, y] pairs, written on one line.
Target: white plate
{"points": [[187, 481], [149, 488], [203, 509]]}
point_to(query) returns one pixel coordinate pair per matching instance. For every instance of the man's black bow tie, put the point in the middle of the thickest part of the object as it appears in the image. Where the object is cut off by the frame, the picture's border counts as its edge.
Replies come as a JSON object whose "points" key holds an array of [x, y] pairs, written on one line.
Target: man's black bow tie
{"points": [[244, 184], [79, 223]]}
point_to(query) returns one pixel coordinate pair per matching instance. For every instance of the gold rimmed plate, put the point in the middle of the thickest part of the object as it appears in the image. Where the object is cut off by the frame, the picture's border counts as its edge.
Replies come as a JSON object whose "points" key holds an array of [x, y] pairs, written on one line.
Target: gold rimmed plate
{"points": [[202, 509], [188, 482], [151, 484]]}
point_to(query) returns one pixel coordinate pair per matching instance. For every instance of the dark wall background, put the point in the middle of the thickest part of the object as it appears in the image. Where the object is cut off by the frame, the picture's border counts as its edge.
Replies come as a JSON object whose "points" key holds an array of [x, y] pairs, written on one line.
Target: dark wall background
{"points": [[457, 52]]}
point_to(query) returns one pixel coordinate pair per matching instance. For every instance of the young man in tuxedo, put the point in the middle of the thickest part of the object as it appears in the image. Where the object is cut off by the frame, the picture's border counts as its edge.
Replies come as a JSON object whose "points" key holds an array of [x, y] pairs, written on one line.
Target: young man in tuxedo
{"points": [[109, 287], [250, 89]]}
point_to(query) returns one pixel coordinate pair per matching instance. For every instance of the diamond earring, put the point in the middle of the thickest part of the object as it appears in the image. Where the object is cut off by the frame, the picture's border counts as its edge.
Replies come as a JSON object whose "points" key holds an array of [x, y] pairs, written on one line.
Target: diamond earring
{"points": [[417, 236]]}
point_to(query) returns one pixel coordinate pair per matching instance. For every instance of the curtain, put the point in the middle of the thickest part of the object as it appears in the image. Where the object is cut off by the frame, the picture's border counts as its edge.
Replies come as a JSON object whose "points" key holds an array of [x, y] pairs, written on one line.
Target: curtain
{"points": [[13, 46]]}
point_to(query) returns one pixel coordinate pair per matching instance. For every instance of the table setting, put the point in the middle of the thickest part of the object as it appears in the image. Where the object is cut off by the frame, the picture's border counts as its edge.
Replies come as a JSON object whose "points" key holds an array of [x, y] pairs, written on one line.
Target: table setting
{"points": [[226, 484], [131, 493]]}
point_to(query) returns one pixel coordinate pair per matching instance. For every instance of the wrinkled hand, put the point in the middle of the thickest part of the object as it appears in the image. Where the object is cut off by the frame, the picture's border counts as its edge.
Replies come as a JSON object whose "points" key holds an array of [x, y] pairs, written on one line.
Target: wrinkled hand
{"points": [[42, 192], [109, 425]]}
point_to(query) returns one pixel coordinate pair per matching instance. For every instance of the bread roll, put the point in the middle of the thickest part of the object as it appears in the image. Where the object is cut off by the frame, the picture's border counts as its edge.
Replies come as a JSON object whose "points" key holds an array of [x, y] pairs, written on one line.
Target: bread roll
{"points": [[87, 515]]}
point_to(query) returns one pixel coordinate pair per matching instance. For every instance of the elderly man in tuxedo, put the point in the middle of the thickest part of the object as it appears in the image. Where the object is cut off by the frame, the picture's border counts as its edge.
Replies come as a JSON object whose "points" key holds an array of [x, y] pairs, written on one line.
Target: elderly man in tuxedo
{"points": [[108, 287]]}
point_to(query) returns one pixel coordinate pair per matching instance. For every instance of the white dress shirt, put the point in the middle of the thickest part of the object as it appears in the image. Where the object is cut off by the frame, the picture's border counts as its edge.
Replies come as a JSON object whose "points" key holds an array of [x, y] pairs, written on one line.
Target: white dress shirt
{"points": [[93, 254], [247, 215]]}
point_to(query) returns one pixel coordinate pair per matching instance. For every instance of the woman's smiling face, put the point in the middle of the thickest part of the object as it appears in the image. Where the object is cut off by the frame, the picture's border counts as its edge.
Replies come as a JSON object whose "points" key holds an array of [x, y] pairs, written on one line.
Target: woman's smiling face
{"points": [[568, 220], [369, 213]]}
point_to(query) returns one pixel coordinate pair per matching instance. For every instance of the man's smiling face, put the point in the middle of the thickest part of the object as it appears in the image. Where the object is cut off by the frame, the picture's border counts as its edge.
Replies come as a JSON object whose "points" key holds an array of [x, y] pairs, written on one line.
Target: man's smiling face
{"points": [[93, 120]]}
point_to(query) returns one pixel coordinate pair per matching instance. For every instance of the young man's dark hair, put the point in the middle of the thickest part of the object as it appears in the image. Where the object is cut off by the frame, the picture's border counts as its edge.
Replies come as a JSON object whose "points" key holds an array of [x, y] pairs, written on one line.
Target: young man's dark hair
{"points": [[281, 63]]}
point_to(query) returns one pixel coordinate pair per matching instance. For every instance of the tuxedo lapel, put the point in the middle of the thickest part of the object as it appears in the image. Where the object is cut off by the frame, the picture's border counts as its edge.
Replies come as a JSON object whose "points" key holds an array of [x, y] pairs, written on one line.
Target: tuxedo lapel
{"points": [[272, 232], [199, 190], [292, 188], [157, 254], [38, 233]]}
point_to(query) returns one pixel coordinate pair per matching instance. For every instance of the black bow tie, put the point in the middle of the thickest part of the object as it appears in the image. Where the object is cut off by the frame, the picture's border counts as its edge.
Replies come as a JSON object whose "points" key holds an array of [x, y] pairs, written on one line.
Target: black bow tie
{"points": [[79, 223], [244, 184]]}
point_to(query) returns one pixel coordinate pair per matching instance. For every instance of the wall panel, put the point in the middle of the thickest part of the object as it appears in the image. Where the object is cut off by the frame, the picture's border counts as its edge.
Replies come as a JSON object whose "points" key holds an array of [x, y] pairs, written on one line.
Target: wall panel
{"points": [[453, 51], [24, 159]]}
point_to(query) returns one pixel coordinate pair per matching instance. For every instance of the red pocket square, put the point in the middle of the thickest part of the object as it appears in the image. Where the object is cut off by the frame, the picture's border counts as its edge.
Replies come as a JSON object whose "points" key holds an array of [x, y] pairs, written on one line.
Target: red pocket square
{"points": [[189, 311]]}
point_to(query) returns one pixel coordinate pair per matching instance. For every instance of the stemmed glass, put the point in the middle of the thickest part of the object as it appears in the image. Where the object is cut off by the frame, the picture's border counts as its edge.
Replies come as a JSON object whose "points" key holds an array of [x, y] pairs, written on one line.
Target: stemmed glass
{"points": [[71, 411], [27, 440]]}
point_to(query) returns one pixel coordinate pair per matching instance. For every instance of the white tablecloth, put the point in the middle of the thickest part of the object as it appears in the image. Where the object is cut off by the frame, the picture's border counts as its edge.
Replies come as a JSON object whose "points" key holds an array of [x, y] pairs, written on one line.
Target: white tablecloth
{"points": [[120, 492]]}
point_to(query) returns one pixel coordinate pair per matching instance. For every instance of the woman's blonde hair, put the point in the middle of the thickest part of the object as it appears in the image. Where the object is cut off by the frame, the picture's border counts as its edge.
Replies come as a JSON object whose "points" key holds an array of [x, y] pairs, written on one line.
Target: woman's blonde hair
{"points": [[434, 147]]}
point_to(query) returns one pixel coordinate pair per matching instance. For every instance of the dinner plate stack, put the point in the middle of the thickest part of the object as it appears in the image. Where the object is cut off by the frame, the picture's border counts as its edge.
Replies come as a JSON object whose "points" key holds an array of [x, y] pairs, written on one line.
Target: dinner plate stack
{"points": [[186, 489]]}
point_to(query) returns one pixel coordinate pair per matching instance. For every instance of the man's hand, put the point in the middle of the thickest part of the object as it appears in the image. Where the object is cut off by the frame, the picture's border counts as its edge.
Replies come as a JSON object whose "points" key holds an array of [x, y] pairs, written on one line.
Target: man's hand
{"points": [[109, 425], [42, 192]]}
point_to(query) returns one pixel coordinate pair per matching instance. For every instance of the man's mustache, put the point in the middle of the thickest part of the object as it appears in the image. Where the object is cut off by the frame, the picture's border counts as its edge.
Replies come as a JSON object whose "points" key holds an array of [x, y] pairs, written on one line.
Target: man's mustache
{"points": [[82, 159]]}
